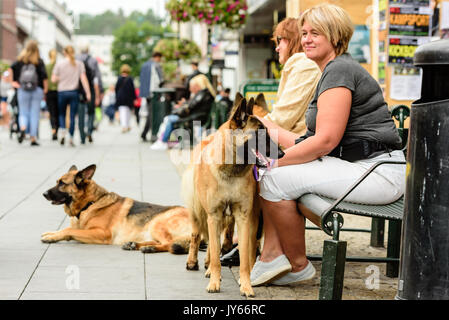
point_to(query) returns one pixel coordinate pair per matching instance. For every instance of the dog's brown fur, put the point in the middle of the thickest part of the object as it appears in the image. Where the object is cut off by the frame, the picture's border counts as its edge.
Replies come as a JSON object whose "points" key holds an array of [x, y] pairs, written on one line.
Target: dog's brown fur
{"points": [[260, 108], [102, 217], [215, 192]]}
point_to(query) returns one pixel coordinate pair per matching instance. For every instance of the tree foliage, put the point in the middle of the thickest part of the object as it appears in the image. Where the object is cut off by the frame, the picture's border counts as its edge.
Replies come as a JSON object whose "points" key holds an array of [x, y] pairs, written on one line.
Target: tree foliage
{"points": [[108, 22], [133, 44]]}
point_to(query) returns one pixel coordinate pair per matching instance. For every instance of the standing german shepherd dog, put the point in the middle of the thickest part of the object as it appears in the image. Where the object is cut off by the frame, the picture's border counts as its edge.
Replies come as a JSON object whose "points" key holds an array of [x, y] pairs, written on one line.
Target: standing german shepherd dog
{"points": [[219, 183], [102, 217]]}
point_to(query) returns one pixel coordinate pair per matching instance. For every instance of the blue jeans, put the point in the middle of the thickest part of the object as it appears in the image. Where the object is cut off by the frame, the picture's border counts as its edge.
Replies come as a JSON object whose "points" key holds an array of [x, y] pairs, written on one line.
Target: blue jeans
{"points": [[169, 127], [65, 98], [29, 109], [89, 109]]}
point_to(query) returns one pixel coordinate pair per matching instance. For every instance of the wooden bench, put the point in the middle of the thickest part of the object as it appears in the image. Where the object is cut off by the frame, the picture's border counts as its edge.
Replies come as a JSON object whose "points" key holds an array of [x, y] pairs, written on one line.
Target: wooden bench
{"points": [[326, 214]]}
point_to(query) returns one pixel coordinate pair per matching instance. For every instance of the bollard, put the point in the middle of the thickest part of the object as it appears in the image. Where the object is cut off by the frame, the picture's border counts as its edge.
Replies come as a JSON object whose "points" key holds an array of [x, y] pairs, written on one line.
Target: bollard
{"points": [[424, 259]]}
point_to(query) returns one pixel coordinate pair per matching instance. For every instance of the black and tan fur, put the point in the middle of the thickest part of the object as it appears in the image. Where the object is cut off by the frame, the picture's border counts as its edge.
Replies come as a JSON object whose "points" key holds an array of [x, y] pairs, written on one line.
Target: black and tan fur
{"points": [[217, 193], [102, 217]]}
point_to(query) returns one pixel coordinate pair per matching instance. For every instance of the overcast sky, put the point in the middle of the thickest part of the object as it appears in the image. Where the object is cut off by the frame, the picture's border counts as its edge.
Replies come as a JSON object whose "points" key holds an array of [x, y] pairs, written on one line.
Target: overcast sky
{"points": [[100, 6]]}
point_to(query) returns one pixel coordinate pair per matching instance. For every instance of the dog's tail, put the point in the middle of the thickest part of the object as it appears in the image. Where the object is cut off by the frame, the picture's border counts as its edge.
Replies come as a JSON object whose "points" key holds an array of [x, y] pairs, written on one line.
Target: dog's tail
{"points": [[180, 245]]}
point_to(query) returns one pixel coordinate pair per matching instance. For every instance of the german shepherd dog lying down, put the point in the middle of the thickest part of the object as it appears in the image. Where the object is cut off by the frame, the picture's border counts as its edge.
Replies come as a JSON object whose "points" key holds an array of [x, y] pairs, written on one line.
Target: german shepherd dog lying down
{"points": [[102, 217], [219, 185]]}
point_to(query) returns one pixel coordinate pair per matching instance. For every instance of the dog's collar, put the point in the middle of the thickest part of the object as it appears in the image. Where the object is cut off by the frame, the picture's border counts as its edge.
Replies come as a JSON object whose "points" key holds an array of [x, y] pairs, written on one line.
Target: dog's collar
{"points": [[83, 209]]}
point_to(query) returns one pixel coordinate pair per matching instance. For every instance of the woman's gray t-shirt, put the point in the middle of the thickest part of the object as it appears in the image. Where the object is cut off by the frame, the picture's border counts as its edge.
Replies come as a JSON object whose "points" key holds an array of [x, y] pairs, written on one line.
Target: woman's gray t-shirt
{"points": [[369, 118]]}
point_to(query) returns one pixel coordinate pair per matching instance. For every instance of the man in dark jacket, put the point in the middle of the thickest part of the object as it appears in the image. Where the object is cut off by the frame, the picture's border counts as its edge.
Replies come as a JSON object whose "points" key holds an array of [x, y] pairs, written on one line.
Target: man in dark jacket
{"points": [[151, 77]]}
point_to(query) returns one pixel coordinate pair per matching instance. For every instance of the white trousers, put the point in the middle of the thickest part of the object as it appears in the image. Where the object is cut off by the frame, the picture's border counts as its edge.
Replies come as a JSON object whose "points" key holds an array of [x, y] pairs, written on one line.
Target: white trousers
{"points": [[125, 116], [331, 177]]}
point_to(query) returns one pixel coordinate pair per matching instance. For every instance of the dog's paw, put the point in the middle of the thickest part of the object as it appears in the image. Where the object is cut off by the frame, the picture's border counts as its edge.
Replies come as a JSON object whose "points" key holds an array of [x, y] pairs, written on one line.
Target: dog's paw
{"points": [[192, 265], [247, 291], [130, 246], [213, 287], [207, 273], [49, 237], [148, 249]]}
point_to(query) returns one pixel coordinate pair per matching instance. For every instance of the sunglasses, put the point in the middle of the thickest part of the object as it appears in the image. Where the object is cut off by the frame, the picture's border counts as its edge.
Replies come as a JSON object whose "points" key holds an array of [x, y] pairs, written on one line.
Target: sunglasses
{"points": [[279, 39]]}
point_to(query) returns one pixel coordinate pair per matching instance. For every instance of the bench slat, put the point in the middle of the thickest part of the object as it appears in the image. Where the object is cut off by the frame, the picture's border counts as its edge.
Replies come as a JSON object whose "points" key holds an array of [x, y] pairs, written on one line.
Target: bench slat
{"points": [[318, 205]]}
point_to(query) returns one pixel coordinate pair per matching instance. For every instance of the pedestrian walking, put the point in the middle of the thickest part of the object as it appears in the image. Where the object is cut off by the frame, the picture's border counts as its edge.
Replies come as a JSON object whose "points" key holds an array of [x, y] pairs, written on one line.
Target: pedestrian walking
{"points": [[68, 72], [151, 77], [125, 94], [30, 79], [88, 107], [108, 103], [52, 95]]}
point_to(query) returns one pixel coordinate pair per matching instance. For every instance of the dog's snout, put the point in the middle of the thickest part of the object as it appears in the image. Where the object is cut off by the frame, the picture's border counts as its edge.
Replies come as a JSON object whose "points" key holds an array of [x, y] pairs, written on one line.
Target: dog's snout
{"points": [[46, 195]]}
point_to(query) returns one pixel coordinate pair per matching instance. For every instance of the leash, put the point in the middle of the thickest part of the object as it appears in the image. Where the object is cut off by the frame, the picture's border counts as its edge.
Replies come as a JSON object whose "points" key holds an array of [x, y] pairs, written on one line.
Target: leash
{"points": [[268, 168]]}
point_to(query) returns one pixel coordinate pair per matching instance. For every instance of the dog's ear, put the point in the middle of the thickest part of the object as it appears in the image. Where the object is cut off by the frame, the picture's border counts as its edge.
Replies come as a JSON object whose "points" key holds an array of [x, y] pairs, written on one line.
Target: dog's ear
{"points": [[238, 98], [249, 107], [73, 168], [238, 114], [85, 174], [261, 102]]}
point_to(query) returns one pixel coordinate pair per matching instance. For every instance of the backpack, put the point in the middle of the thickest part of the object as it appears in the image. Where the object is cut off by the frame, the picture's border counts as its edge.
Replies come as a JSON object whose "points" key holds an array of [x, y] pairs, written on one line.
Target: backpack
{"points": [[90, 74], [29, 78]]}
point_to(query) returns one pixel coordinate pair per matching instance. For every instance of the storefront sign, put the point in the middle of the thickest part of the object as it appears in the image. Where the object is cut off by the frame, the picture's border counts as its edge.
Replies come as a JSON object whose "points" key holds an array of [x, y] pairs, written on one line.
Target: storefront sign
{"points": [[415, 3], [402, 50], [409, 22]]}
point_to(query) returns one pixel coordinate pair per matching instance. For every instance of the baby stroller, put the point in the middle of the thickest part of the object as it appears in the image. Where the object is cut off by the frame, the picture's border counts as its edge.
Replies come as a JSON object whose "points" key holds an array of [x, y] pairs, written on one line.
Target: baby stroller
{"points": [[14, 122]]}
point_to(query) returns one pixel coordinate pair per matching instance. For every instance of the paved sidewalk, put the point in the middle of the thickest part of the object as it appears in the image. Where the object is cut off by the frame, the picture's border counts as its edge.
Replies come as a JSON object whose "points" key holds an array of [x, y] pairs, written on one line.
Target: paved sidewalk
{"points": [[30, 269]]}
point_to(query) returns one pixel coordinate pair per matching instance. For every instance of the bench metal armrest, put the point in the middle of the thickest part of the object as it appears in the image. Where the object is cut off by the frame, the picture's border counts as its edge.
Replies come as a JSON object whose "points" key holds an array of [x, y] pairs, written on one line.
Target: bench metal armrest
{"points": [[327, 213]]}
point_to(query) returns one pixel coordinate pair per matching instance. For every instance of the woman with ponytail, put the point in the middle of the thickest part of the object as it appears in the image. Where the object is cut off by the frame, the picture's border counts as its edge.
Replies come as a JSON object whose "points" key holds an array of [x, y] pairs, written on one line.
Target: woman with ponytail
{"points": [[30, 80], [52, 95], [68, 72]]}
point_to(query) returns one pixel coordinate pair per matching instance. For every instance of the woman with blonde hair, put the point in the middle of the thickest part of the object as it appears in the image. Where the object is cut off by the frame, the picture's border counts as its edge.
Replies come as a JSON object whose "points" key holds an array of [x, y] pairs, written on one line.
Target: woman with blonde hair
{"points": [[197, 108], [52, 95], [30, 80], [349, 128], [125, 94], [67, 73]]}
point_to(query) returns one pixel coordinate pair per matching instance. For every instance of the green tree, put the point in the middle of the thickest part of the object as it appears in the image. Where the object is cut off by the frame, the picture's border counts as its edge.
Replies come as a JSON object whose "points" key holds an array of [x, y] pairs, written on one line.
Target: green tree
{"points": [[108, 22], [133, 44]]}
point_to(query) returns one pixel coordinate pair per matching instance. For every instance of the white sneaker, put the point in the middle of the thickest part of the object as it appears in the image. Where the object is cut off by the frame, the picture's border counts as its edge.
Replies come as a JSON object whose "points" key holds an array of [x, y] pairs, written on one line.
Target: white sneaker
{"points": [[294, 278], [265, 272], [159, 145]]}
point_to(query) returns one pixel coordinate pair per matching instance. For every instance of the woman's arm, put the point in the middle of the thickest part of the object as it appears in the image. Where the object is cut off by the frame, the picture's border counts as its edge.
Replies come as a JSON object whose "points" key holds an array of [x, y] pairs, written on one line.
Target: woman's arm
{"points": [[334, 106], [283, 137]]}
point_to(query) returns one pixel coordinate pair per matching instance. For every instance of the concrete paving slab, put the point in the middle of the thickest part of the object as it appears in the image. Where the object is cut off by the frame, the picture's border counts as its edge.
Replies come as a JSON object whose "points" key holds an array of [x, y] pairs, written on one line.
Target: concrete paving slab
{"points": [[30, 269]]}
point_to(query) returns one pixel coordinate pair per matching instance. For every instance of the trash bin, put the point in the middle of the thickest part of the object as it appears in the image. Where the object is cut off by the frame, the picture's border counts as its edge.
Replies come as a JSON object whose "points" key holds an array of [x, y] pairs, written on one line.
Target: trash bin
{"points": [[161, 102], [424, 259]]}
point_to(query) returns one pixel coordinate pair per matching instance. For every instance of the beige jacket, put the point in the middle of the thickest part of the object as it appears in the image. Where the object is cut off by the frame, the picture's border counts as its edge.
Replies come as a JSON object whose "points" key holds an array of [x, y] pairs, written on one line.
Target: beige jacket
{"points": [[299, 79]]}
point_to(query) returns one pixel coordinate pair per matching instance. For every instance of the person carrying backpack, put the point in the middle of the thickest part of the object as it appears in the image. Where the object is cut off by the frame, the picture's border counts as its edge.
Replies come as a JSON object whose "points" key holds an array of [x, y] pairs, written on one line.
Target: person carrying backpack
{"points": [[30, 80], [68, 72], [88, 107]]}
